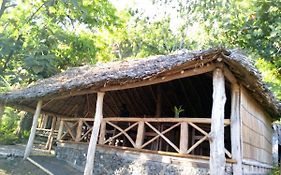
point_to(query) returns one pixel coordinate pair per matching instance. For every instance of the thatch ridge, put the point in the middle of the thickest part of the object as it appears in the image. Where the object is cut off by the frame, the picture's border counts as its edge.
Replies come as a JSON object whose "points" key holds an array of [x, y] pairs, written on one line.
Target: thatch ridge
{"points": [[129, 71]]}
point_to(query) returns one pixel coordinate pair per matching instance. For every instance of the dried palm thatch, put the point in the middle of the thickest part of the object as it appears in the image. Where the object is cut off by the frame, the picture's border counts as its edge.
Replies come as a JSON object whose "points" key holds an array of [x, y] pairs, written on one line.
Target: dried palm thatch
{"points": [[90, 79]]}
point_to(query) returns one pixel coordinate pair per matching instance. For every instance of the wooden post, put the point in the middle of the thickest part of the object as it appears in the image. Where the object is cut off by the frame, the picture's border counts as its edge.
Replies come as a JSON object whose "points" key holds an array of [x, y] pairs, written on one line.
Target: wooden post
{"points": [[158, 102], [102, 132], [235, 130], [140, 135], [94, 137], [50, 136], [184, 137], [79, 130], [2, 107], [33, 130], [217, 153], [60, 130]]}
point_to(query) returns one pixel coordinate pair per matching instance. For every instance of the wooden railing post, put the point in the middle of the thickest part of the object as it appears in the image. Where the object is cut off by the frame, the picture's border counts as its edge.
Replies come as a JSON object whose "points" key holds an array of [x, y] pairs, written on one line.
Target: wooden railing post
{"points": [[60, 130], [217, 150], [140, 134], [79, 130], [33, 130], [184, 137], [102, 132], [50, 136]]}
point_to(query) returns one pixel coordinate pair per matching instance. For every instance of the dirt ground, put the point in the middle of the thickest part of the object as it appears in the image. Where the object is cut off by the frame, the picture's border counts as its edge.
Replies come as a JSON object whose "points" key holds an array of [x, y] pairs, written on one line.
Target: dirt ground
{"points": [[17, 166]]}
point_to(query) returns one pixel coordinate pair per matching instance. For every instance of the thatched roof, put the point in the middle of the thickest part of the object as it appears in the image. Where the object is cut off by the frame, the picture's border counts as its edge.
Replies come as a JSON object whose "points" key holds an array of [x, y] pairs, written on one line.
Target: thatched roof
{"points": [[95, 78]]}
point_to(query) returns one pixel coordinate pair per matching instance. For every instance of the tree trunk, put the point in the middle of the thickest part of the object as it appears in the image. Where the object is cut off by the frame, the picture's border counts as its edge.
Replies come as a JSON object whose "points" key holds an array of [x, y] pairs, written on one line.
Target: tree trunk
{"points": [[217, 154], [25, 124], [2, 107]]}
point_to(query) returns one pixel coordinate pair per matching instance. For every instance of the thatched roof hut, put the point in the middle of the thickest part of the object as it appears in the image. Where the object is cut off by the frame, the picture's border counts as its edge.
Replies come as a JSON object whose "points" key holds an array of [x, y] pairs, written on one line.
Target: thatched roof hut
{"points": [[85, 79], [227, 115]]}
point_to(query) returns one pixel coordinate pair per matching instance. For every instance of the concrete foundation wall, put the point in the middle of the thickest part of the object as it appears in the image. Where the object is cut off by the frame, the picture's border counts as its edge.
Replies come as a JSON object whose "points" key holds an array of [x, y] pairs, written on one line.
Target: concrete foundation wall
{"points": [[120, 162]]}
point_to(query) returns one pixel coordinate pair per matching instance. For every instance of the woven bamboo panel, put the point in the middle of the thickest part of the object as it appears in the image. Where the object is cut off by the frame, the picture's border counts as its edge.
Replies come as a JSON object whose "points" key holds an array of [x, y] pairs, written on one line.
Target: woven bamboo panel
{"points": [[256, 130]]}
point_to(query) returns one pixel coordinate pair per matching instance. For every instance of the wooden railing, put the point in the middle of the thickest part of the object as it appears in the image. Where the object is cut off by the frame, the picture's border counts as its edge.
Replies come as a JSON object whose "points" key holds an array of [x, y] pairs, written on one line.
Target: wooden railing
{"points": [[181, 135], [75, 129]]}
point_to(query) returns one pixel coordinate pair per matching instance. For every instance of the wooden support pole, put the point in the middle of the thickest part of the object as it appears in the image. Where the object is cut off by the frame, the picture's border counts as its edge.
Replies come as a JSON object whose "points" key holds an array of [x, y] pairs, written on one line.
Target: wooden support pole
{"points": [[60, 130], [235, 130], [158, 102], [51, 134], [79, 130], [184, 138], [33, 130], [94, 137], [140, 134], [102, 132], [217, 154]]}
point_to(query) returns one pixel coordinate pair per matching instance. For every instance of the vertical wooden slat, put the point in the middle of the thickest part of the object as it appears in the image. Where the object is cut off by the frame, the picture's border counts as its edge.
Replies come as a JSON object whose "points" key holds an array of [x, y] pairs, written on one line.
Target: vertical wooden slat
{"points": [[102, 132], [184, 137], [79, 130], [60, 130], [217, 154], [50, 136], [158, 102], [94, 137], [140, 134], [33, 129], [235, 130]]}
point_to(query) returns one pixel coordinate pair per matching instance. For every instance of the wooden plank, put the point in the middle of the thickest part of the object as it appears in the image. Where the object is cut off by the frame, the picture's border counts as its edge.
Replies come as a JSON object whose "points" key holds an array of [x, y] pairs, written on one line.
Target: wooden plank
{"points": [[157, 136], [197, 144], [51, 134], [79, 131], [184, 137], [235, 128], [94, 137], [33, 130], [165, 138], [102, 132], [123, 132], [140, 134], [60, 130], [169, 120], [158, 102], [217, 154]]}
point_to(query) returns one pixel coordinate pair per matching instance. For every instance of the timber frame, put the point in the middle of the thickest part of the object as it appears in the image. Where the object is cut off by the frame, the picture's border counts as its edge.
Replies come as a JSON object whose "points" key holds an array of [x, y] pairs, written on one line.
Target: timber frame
{"points": [[212, 85]]}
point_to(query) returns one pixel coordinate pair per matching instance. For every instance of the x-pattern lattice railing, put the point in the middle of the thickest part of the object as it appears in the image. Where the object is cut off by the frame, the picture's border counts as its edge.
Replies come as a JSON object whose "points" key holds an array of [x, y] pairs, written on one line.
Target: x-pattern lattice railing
{"points": [[140, 125], [75, 129], [135, 130]]}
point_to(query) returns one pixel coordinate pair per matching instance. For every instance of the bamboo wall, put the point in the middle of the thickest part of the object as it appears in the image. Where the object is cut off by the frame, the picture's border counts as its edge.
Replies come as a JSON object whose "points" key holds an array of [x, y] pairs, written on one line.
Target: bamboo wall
{"points": [[256, 130]]}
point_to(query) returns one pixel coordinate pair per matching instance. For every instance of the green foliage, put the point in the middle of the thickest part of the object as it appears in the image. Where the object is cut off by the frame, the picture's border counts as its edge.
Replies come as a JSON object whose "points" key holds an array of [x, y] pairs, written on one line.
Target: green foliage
{"points": [[178, 110], [275, 170], [8, 126]]}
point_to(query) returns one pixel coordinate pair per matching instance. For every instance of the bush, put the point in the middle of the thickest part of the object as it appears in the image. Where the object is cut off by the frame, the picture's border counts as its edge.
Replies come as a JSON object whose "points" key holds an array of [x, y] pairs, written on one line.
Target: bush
{"points": [[8, 126]]}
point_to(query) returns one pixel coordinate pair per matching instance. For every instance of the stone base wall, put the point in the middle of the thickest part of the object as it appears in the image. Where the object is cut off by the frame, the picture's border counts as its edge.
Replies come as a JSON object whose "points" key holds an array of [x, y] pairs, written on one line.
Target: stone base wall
{"points": [[120, 162]]}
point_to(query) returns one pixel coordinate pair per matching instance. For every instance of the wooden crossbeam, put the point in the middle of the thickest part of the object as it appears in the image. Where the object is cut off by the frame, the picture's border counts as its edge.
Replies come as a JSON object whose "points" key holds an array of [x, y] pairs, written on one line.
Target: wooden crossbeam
{"points": [[196, 144], [156, 137], [122, 132], [69, 130], [86, 133], [165, 138]]}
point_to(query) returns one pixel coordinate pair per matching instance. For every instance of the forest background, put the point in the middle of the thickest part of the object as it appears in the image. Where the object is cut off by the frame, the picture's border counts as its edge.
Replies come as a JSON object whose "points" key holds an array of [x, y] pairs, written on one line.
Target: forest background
{"points": [[41, 38]]}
